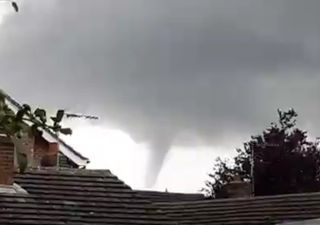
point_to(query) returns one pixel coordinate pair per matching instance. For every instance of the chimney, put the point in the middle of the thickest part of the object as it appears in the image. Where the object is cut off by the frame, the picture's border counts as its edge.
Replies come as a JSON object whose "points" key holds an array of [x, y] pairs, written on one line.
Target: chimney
{"points": [[38, 150], [50, 159], [237, 188], [44, 153], [6, 160], [24, 145]]}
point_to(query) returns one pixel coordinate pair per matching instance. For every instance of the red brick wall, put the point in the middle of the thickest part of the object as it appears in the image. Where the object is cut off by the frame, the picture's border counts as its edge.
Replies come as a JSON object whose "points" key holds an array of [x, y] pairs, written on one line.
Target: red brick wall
{"points": [[51, 156], [238, 189], [44, 153], [6, 161], [39, 152], [40, 149]]}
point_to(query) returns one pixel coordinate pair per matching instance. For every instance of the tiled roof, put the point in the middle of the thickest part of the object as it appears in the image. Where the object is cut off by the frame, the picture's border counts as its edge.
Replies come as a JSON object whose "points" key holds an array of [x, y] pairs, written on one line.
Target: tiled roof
{"points": [[303, 222], [259, 210], [78, 197], [157, 196], [97, 197]]}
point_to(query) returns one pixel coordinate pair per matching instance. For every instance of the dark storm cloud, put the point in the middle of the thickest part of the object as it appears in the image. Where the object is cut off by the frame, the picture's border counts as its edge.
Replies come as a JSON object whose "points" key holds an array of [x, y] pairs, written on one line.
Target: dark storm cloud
{"points": [[211, 67]]}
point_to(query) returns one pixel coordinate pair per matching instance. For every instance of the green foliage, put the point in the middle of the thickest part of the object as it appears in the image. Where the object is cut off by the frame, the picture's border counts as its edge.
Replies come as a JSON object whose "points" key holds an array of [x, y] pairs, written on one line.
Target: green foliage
{"points": [[66, 131], [284, 161], [222, 175], [25, 121], [59, 116]]}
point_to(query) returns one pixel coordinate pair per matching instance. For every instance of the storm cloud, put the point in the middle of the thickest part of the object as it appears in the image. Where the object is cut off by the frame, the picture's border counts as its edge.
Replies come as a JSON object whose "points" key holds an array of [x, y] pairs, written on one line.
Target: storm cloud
{"points": [[218, 69]]}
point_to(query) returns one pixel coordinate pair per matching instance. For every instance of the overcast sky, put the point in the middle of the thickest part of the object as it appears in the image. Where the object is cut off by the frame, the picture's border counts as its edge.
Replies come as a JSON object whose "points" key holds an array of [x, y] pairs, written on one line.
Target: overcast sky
{"points": [[196, 77]]}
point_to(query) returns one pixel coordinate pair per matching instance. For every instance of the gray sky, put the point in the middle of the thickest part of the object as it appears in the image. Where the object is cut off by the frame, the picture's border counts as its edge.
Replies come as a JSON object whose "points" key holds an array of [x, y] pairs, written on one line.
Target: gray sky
{"points": [[179, 74]]}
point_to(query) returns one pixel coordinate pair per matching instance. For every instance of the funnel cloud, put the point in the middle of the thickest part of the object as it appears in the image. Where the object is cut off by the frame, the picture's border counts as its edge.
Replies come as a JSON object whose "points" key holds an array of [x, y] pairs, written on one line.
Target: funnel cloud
{"points": [[219, 69], [159, 147]]}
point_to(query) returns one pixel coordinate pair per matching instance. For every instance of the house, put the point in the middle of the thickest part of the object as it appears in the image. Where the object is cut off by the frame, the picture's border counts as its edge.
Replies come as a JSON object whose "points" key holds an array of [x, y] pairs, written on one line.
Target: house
{"points": [[45, 141], [248, 210], [54, 195], [57, 192]]}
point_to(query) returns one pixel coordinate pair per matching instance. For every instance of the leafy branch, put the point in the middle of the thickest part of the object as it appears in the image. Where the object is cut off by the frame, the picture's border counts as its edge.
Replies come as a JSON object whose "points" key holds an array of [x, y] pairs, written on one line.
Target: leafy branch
{"points": [[27, 122]]}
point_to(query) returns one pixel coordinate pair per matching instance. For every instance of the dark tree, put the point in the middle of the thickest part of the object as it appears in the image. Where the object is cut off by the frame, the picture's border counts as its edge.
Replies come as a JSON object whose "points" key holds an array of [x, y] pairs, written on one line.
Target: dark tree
{"points": [[284, 161], [223, 174]]}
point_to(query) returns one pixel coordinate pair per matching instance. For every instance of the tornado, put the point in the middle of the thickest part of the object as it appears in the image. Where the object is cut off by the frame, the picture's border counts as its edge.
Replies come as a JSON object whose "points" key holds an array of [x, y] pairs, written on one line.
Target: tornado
{"points": [[158, 150]]}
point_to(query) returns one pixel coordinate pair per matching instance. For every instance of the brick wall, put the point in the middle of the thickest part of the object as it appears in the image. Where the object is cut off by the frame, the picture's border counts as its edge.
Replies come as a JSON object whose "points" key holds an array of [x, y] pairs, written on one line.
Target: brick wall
{"points": [[40, 149], [238, 189], [50, 157], [24, 145], [39, 152], [6, 161]]}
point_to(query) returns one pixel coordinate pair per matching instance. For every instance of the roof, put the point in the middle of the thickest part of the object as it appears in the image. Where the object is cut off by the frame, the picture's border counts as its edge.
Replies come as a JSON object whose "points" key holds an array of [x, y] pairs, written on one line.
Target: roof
{"points": [[97, 197], [50, 136], [78, 197], [257, 210], [303, 222], [157, 196]]}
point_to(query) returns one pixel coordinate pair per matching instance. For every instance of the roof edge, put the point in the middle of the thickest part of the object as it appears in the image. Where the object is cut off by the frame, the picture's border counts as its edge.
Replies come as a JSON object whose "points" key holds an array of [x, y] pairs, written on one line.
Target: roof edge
{"points": [[49, 136]]}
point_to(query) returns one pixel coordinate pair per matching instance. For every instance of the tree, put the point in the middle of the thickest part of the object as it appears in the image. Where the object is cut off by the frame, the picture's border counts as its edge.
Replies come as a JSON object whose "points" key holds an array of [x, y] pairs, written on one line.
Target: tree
{"points": [[284, 161], [27, 122], [223, 174]]}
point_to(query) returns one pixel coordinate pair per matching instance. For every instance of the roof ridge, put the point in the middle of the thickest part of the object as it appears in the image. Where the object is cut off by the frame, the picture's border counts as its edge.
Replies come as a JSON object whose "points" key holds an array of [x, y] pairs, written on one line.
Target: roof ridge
{"points": [[167, 192], [60, 170], [245, 199]]}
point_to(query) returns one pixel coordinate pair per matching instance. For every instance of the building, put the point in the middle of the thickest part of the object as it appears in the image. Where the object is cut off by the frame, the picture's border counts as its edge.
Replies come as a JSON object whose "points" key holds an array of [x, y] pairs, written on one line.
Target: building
{"points": [[53, 195], [66, 155], [249, 210], [59, 192]]}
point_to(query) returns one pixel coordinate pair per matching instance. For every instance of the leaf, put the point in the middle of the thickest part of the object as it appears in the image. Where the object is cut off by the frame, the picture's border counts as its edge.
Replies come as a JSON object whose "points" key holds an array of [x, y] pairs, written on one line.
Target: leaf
{"points": [[15, 6], [2, 101], [26, 107], [56, 127], [41, 114], [2, 114], [54, 119], [2, 96], [20, 114], [66, 131], [59, 116]]}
